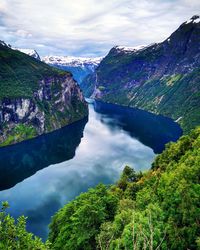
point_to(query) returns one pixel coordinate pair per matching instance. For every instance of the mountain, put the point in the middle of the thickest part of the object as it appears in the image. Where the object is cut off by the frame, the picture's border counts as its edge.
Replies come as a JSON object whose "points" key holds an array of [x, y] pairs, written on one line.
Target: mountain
{"points": [[30, 52], [80, 67], [35, 98], [163, 78]]}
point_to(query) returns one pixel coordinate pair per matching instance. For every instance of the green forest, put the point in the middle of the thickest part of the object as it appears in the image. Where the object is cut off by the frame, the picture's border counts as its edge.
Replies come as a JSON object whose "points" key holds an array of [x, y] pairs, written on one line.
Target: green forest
{"points": [[20, 74], [156, 209]]}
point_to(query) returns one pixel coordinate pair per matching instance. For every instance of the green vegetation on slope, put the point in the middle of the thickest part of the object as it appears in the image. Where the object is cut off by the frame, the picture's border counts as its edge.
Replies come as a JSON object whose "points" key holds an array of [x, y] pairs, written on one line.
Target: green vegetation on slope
{"points": [[19, 73], [162, 78], [19, 133], [13, 234], [54, 99], [159, 209], [174, 96]]}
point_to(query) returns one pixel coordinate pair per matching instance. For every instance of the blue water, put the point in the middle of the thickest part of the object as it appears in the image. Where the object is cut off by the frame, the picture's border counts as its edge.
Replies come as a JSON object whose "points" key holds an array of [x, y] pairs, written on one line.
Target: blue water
{"points": [[39, 176]]}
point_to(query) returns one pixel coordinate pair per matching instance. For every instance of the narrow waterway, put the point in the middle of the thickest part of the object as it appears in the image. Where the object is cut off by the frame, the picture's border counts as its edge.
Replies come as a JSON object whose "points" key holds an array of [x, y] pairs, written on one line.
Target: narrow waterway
{"points": [[41, 175]]}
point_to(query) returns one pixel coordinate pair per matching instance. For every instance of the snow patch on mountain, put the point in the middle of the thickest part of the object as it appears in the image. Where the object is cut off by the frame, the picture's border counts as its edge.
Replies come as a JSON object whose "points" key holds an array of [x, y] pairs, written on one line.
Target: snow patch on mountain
{"points": [[5, 44], [127, 50], [124, 48], [30, 52], [80, 67], [194, 19], [71, 61]]}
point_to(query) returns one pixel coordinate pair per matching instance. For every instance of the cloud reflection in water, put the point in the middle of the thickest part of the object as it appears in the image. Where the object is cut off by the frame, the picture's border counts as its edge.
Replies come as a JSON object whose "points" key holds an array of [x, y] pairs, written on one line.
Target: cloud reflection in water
{"points": [[105, 149]]}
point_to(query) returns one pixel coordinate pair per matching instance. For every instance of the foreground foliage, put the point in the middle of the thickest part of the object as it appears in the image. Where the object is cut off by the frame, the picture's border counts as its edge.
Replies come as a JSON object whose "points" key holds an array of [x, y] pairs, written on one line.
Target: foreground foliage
{"points": [[159, 209], [13, 234]]}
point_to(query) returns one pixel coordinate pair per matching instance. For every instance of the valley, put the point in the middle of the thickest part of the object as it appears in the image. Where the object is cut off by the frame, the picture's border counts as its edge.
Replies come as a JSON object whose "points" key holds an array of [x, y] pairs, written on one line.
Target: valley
{"points": [[57, 167], [99, 151]]}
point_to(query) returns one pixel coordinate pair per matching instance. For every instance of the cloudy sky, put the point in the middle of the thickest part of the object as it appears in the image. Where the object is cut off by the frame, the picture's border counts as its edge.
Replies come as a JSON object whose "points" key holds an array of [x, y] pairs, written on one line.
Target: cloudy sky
{"points": [[90, 27]]}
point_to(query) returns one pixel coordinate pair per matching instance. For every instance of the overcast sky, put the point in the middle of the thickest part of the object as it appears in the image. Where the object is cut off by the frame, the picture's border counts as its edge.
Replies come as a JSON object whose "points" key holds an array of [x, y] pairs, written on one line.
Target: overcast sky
{"points": [[90, 27]]}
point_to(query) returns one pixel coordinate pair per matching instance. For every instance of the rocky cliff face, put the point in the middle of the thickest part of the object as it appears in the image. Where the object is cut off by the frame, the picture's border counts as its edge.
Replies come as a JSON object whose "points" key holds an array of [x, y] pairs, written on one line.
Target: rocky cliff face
{"points": [[51, 102], [162, 78]]}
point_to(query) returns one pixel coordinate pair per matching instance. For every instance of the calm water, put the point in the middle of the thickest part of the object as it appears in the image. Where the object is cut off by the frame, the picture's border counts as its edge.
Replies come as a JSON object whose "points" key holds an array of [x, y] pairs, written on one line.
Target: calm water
{"points": [[39, 176]]}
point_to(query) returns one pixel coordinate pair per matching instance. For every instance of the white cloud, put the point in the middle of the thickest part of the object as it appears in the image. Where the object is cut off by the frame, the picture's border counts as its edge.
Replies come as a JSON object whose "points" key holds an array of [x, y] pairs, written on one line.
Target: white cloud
{"points": [[90, 27], [22, 33]]}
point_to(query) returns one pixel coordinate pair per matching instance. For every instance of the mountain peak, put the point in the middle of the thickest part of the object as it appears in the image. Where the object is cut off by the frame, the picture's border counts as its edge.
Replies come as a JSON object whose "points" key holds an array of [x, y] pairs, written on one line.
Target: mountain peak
{"points": [[126, 49], [29, 52], [4, 44], [193, 19]]}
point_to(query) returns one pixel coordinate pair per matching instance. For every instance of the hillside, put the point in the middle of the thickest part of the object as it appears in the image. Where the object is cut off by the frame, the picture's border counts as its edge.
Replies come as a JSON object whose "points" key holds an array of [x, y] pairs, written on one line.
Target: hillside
{"points": [[157, 209], [29, 52], [34, 98], [163, 78]]}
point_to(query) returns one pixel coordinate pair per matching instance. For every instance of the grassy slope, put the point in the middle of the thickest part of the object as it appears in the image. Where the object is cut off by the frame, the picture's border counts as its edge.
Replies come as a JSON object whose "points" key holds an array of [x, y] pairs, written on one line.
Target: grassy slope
{"points": [[19, 73], [179, 96]]}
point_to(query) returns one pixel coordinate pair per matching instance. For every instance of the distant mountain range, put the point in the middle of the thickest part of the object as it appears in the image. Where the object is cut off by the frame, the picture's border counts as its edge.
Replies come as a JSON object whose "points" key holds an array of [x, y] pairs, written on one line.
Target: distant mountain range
{"points": [[163, 78], [80, 67]]}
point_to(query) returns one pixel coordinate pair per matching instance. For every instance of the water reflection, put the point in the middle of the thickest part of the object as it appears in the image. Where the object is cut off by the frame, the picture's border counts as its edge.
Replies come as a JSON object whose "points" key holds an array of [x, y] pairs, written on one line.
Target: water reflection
{"points": [[108, 144], [152, 130], [22, 160]]}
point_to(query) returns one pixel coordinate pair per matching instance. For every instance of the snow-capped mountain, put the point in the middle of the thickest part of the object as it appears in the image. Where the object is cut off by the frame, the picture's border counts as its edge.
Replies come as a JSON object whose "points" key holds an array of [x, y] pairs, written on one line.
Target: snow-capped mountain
{"points": [[4, 44], [127, 50], [162, 78], [70, 60], [80, 67], [30, 52], [194, 19]]}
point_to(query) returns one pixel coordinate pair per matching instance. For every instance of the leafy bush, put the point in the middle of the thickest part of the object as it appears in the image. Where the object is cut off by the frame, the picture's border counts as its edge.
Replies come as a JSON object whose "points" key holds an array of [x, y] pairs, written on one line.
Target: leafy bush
{"points": [[76, 225], [13, 234]]}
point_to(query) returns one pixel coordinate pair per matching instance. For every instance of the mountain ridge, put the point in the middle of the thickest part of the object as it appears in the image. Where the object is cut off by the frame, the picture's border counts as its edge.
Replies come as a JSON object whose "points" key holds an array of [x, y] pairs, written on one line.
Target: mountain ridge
{"points": [[162, 78], [29, 52], [35, 98]]}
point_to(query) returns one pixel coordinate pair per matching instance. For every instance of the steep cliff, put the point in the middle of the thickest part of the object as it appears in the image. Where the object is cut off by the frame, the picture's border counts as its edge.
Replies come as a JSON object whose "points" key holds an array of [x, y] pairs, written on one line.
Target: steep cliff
{"points": [[35, 98], [162, 78]]}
